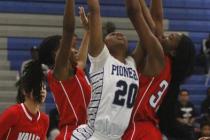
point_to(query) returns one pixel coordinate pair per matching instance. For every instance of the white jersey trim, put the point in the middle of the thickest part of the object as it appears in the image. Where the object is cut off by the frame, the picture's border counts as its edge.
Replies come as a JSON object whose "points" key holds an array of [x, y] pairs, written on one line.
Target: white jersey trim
{"points": [[66, 132], [83, 96], [8, 133], [69, 101], [134, 126], [26, 113], [38, 116]]}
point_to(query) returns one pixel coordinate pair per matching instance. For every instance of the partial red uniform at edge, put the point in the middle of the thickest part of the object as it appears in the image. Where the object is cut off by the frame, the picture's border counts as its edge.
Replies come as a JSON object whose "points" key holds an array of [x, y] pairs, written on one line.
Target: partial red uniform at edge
{"points": [[144, 121], [17, 123], [72, 97]]}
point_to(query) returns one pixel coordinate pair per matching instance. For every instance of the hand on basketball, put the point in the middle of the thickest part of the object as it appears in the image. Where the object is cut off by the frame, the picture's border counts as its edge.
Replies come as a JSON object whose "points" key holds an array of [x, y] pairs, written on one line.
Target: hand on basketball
{"points": [[83, 18]]}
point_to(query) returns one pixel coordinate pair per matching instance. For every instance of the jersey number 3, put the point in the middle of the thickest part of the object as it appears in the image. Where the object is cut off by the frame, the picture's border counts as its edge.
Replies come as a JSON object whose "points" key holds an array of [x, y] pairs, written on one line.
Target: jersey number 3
{"points": [[155, 98], [124, 89]]}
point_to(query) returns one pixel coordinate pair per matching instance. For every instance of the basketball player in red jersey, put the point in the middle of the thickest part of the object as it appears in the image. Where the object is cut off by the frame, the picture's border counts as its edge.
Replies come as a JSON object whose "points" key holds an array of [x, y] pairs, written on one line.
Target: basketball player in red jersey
{"points": [[66, 78], [24, 121], [178, 49]]}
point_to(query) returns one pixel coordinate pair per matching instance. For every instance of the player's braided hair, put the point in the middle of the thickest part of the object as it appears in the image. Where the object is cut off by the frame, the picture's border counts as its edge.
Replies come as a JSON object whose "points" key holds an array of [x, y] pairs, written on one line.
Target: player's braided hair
{"points": [[31, 81], [183, 61], [47, 49], [182, 67]]}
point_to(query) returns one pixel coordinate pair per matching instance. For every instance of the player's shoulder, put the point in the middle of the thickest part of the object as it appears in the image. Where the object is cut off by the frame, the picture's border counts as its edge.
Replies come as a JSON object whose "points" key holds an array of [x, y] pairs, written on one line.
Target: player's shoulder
{"points": [[168, 61], [50, 76], [80, 71], [166, 72], [44, 117], [13, 110], [130, 61]]}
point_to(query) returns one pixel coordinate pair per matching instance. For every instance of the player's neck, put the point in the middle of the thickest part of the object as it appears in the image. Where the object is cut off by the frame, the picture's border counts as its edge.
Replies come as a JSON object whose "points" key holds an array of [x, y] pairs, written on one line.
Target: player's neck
{"points": [[32, 107], [119, 57]]}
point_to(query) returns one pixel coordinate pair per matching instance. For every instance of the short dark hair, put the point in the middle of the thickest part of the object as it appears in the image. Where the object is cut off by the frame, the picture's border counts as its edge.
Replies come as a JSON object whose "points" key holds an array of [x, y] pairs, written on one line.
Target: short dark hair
{"points": [[32, 79], [108, 28], [184, 60], [46, 49], [184, 90], [20, 98]]}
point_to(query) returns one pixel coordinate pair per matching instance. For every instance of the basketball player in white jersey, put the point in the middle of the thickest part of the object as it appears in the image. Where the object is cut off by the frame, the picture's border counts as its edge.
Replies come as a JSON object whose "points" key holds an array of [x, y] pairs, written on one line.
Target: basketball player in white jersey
{"points": [[114, 81]]}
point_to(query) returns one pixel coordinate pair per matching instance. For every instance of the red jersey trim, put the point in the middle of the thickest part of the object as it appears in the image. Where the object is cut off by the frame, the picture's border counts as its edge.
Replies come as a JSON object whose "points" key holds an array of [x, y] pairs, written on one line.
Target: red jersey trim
{"points": [[134, 129], [69, 101]]}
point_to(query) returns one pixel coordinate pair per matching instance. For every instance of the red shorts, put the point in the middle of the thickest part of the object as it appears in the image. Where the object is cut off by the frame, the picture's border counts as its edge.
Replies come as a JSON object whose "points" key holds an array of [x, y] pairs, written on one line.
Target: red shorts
{"points": [[65, 133], [143, 131]]}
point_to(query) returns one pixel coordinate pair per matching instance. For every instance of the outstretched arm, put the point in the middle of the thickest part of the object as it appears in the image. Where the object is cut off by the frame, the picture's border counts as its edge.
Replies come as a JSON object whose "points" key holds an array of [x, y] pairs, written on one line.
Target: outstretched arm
{"points": [[157, 15], [83, 51], [154, 62], [147, 16], [62, 62], [96, 38]]}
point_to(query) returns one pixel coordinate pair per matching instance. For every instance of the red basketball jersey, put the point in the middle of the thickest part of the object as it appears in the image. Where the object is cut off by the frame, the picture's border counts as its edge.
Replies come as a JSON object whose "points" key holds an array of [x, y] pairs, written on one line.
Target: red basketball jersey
{"points": [[151, 93], [71, 97], [16, 123]]}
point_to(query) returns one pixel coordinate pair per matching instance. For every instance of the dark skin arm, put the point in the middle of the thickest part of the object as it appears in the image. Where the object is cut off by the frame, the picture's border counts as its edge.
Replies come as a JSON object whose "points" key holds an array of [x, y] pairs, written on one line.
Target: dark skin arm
{"points": [[62, 62], [96, 38], [156, 11], [148, 16], [83, 51], [154, 61]]}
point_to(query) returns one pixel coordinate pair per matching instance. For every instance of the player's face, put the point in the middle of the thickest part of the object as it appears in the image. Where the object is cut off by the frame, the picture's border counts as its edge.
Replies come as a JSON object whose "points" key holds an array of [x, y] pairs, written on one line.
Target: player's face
{"points": [[115, 40], [171, 42], [43, 93]]}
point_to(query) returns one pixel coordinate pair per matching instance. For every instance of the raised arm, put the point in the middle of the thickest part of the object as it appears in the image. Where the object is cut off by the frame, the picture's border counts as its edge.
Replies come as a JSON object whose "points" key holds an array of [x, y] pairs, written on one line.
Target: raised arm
{"points": [[154, 62], [157, 15], [62, 63], [147, 16], [96, 38], [85, 41]]}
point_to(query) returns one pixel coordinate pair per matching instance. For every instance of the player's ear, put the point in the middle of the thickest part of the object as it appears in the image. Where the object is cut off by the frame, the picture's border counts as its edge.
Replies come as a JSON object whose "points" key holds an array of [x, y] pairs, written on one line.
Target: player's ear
{"points": [[23, 92], [28, 94]]}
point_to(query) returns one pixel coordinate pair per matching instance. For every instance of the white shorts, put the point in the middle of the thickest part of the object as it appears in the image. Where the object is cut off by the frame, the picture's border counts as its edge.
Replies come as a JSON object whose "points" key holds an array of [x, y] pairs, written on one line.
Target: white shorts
{"points": [[84, 132]]}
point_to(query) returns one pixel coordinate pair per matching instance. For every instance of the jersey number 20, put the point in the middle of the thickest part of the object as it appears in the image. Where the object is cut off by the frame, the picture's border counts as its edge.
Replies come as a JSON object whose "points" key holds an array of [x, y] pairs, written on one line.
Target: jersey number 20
{"points": [[124, 89], [155, 99]]}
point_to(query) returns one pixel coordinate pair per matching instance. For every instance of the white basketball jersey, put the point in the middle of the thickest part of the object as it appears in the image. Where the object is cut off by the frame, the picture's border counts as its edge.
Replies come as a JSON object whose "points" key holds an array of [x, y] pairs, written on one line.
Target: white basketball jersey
{"points": [[114, 89]]}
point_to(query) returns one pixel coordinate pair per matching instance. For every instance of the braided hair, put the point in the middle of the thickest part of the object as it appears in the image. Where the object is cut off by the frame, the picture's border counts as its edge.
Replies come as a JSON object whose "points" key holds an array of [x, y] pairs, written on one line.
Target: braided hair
{"points": [[31, 81], [184, 60], [47, 50]]}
